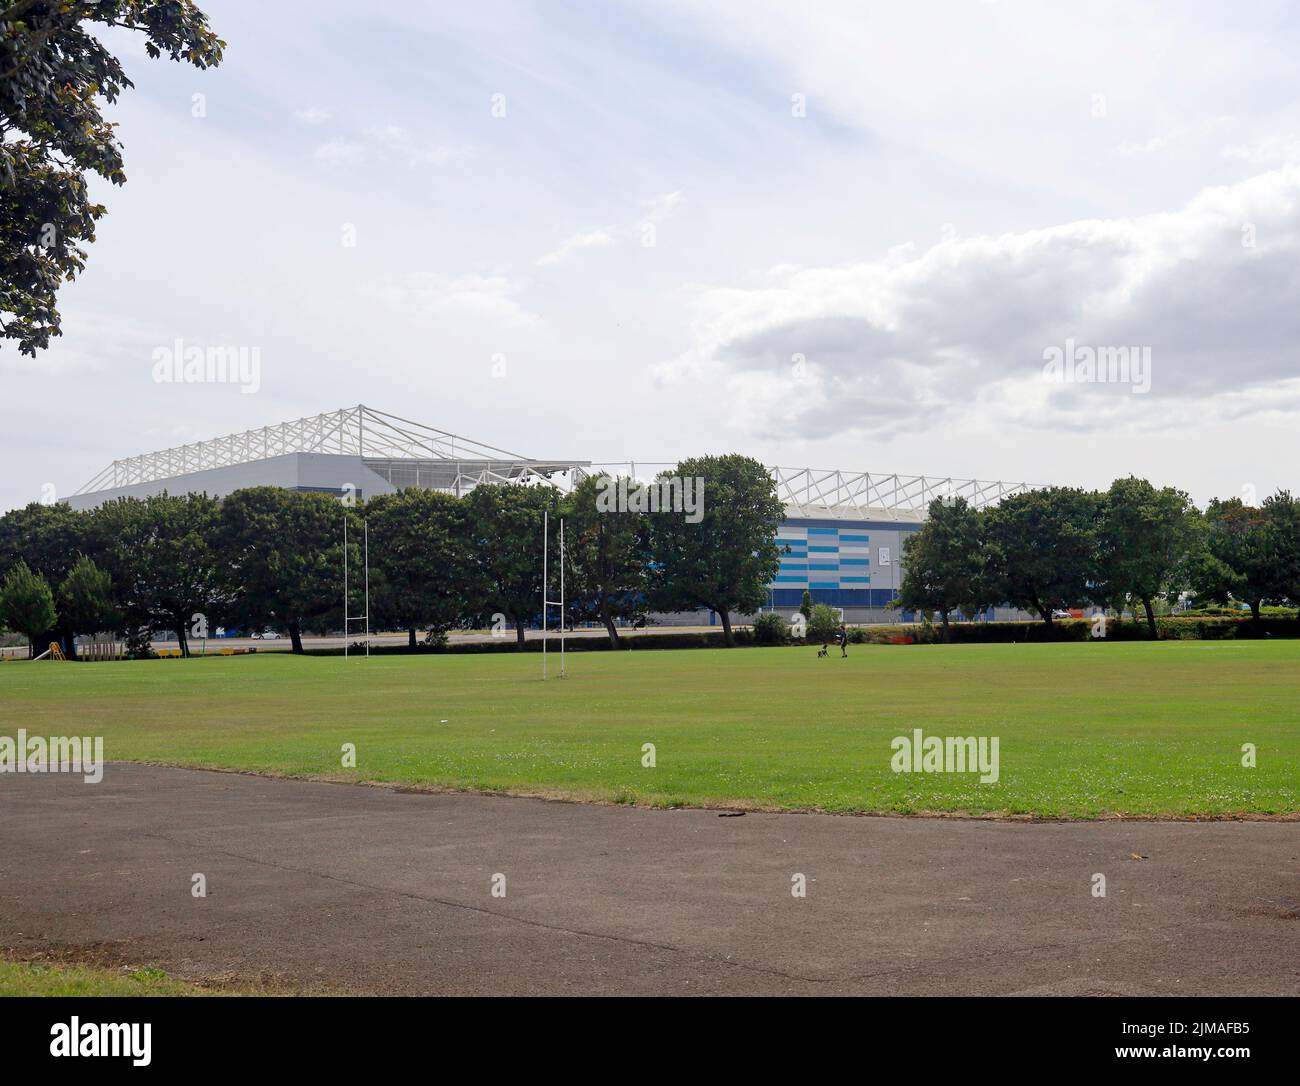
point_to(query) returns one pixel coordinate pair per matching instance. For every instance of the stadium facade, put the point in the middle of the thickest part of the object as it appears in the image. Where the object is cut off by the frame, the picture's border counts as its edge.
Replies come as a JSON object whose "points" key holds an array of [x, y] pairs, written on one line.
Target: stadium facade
{"points": [[843, 533]]}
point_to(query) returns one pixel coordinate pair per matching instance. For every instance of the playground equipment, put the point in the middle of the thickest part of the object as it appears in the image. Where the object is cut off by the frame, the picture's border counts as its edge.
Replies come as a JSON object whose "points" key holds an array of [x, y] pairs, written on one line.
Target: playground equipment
{"points": [[52, 653]]}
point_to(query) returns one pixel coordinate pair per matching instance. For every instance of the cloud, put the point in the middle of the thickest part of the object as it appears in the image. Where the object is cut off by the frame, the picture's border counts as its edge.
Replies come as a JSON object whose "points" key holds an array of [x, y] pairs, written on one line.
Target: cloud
{"points": [[956, 332], [1268, 151], [339, 151], [387, 143], [590, 240], [398, 142], [658, 208], [662, 206], [488, 297], [312, 115]]}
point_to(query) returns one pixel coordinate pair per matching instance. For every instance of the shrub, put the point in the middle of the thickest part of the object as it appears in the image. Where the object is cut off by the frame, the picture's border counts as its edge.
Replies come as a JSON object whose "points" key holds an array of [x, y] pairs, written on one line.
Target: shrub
{"points": [[824, 626], [771, 629]]}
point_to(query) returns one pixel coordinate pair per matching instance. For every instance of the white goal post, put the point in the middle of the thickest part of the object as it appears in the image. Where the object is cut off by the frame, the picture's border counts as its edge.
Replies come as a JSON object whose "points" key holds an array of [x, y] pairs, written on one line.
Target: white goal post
{"points": [[546, 584]]}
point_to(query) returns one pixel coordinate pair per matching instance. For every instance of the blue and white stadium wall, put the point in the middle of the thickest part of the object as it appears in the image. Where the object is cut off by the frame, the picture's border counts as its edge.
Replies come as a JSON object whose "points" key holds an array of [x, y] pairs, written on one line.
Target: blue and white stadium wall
{"points": [[840, 563]]}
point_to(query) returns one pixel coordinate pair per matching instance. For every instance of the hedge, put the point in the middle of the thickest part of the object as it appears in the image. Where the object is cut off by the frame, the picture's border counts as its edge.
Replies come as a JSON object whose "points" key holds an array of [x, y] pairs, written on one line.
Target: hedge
{"points": [[1170, 628]]}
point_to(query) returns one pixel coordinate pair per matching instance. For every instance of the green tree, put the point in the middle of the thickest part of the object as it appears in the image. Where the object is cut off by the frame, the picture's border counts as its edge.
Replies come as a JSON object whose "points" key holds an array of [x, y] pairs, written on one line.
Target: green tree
{"points": [[727, 558], [1147, 542], [27, 605], [86, 601], [55, 71], [1236, 562], [944, 566], [160, 554], [1042, 549], [282, 560], [505, 541], [1282, 513], [806, 605], [607, 556], [423, 574], [49, 538], [823, 624]]}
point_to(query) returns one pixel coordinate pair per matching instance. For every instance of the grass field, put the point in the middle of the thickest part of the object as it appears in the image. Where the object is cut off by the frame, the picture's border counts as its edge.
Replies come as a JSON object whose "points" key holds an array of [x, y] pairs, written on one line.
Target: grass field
{"points": [[40, 979], [1085, 730]]}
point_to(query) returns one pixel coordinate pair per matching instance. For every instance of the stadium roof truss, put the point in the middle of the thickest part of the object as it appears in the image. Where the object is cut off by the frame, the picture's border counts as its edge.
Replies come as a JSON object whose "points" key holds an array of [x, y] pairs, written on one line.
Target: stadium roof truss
{"points": [[813, 492], [457, 462], [409, 453], [817, 492]]}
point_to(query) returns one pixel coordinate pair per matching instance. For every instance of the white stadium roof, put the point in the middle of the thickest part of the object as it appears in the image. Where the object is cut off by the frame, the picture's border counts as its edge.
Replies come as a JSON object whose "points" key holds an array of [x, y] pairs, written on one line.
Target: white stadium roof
{"points": [[350, 431], [410, 453]]}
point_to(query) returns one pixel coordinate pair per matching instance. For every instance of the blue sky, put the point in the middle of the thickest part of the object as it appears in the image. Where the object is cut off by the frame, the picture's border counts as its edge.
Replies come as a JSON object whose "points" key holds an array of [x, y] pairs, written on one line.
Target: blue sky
{"points": [[653, 233]]}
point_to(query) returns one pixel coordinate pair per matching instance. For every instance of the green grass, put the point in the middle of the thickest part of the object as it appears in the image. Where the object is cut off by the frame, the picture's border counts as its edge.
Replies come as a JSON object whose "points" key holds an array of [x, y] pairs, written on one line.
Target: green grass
{"points": [[1085, 730], [40, 979]]}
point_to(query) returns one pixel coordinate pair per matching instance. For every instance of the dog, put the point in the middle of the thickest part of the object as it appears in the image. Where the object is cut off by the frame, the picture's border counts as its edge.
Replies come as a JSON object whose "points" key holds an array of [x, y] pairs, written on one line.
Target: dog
{"points": [[821, 651]]}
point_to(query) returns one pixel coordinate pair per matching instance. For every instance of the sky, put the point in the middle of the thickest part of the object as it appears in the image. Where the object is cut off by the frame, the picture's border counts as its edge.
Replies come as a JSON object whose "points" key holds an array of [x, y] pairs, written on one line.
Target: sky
{"points": [[872, 237]]}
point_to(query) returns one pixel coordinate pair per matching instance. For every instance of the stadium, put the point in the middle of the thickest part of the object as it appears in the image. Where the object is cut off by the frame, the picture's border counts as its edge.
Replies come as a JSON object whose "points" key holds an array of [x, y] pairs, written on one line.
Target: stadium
{"points": [[844, 530]]}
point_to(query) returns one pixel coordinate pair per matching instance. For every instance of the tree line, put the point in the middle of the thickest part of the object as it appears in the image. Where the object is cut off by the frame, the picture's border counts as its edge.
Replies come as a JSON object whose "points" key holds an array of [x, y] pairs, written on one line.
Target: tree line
{"points": [[1129, 546], [266, 558]]}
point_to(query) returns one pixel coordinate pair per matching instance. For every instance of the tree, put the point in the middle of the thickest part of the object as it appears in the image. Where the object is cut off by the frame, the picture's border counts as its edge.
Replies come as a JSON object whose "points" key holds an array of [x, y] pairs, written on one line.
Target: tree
{"points": [[607, 556], [282, 563], [49, 539], [423, 574], [806, 605], [725, 560], [1282, 513], [1236, 562], [27, 605], [1147, 542], [53, 71], [505, 540], [1042, 549], [160, 554], [86, 601], [944, 563], [823, 624]]}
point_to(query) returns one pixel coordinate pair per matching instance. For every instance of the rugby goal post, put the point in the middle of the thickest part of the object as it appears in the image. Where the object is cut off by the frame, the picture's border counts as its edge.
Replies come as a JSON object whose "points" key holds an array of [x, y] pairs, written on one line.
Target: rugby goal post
{"points": [[349, 619], [546, 584]]}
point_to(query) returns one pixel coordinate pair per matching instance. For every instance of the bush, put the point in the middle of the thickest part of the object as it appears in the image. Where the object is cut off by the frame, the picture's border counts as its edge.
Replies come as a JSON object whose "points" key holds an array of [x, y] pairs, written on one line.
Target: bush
{"points": [[824, 626], [771, 629]]}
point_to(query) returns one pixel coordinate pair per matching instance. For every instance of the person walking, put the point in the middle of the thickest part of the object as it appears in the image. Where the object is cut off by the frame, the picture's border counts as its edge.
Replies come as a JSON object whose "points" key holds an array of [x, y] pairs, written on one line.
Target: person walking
{"points": [[843, 639]]}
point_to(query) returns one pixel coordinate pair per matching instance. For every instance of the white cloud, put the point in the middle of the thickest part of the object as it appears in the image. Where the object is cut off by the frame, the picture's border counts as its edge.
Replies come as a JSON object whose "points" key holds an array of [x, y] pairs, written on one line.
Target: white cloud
{"points": [[592, 239], [658, 208], [312, 115], [397, 141], [487, 297], [924, 337], [661, 206], [339, 151], [1267, 151], [388, 143], [1154, 145]]}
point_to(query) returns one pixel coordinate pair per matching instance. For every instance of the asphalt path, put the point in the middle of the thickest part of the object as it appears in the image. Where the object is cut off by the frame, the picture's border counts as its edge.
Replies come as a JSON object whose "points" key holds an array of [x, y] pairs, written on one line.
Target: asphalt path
{"points": [[317, 887]]}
